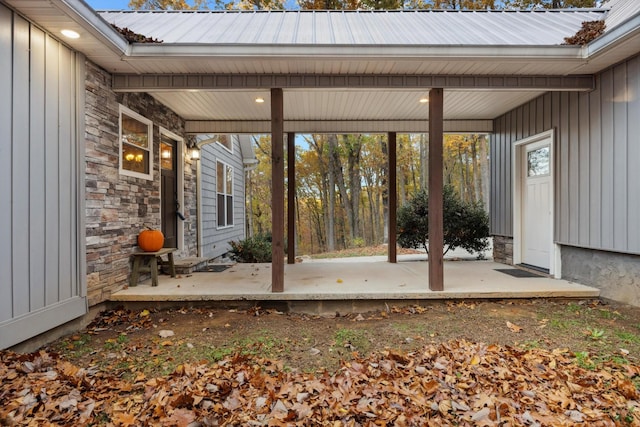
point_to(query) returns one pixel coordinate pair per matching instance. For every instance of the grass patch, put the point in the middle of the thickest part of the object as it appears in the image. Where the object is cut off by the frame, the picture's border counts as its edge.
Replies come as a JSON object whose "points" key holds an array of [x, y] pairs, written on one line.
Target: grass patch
{"points": [[348, 338], [628, 337]]}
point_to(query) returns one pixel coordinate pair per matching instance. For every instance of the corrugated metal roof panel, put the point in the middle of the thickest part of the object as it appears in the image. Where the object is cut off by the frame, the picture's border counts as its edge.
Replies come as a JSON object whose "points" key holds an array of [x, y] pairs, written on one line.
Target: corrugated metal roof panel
{"points": [[532, 28]]}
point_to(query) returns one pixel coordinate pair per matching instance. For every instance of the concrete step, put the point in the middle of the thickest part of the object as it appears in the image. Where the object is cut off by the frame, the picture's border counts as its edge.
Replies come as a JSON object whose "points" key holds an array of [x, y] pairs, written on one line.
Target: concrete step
{"points": [[190, 264]]}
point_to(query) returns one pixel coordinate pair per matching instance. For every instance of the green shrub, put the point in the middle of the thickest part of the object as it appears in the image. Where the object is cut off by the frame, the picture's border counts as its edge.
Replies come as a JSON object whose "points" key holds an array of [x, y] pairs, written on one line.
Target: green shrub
{"points": [[466, 225], [252, 249]]}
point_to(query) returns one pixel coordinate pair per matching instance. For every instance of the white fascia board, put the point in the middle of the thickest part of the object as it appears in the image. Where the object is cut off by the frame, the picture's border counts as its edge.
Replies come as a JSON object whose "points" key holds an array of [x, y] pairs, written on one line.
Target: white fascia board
{"points": [[87, 18], [261, 51], [602, 44]]}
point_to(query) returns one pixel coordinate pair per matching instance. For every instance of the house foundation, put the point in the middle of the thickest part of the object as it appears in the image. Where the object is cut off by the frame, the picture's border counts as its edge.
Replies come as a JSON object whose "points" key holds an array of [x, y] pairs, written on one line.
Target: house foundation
{"points": [[503, 249], [616, 275]]}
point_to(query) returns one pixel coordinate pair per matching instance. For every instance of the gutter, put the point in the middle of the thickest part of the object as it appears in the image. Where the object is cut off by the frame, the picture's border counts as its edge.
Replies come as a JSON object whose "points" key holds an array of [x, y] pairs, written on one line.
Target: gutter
{"points": [[301, 51], [81, 13], [628, 29]]}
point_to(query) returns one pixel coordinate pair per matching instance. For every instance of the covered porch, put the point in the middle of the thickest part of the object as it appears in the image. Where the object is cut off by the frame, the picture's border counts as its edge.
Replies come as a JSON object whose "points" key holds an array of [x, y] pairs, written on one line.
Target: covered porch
{"points": [[350, 285]]}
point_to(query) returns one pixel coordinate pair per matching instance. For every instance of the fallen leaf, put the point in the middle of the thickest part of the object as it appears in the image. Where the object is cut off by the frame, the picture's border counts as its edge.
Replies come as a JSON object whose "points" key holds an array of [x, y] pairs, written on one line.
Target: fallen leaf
{"points": [[514, 328]]}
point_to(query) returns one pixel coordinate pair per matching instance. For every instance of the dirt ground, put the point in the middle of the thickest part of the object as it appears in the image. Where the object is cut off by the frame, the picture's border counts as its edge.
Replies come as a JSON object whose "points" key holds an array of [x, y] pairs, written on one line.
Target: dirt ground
{"points": [[154, 342]]}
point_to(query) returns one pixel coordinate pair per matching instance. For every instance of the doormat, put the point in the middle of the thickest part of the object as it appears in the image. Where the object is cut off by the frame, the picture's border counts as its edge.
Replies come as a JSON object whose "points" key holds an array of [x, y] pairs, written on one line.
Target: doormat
{"points": [[213, 268], [516, 272]]}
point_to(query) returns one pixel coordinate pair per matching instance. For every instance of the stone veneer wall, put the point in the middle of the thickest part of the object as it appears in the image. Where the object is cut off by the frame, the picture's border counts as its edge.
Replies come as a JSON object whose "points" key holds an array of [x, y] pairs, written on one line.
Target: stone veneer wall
{"points": [[503, 249], [117, 206], [617, 275]]}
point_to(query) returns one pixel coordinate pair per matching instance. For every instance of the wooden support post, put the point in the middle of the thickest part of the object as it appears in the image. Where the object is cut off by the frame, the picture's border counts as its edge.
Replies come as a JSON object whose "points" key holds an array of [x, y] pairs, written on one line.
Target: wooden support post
{"points": [[393, 197], [291, 198], [277, 190], [436, 206]]}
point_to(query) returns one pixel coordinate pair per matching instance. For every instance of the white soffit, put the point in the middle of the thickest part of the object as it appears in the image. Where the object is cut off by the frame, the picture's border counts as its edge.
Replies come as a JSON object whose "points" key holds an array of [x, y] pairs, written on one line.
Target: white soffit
{"points": [[399, 105]]}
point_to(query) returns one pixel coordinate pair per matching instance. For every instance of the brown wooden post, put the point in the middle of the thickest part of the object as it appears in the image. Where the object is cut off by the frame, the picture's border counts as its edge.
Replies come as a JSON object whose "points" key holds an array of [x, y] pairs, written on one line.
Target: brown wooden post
{"points": [[291, 198], [277, 190], [436, 225], [393, 197]]}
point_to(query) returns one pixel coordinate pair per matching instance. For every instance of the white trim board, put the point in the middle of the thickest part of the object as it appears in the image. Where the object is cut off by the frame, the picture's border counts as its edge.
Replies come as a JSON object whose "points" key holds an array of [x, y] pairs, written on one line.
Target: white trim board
{"points": [[555, 269]]}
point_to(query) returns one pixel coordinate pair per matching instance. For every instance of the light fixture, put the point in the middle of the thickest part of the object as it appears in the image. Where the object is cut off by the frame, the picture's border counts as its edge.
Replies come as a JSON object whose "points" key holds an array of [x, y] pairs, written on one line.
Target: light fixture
{"points": [[195, 153], [139, 158], [70, 34], [259, 100], [424, 100], [166, 154], [129, 157]]}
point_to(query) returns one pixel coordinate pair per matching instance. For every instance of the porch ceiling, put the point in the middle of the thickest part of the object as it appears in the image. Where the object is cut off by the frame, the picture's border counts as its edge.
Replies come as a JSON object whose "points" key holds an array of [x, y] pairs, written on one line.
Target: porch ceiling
{"points": [[317, 110]]}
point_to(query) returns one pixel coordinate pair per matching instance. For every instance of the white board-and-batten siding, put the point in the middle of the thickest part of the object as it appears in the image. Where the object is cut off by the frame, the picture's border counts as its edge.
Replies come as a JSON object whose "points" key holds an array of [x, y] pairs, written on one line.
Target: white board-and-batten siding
{"points": [[42, 283], [597, 170], [215, 240]]}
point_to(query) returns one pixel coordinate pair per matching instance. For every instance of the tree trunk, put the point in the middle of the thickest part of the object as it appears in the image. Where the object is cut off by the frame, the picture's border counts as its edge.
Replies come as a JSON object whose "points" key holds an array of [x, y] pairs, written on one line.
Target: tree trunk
{"points": [[384, 179], [424, 161]]}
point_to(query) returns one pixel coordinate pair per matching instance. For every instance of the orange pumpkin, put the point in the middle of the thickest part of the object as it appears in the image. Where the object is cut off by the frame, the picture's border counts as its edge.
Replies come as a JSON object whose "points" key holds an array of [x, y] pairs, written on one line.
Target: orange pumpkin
{"points": [[150, 240]]}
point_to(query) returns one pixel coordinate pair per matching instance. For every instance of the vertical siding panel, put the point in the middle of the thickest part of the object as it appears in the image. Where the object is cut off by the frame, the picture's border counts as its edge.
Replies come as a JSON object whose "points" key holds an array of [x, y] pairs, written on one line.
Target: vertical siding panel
{"points": [[607, 160], [540, 115], [620, 157], [67, 234], [583, 165], [532, 116], [51, 236], [633, 173], [595, 167], [508, 209], [493, 149], [20, 165], [526, 132], [497, 181], [633, 158], [553, 104], [36, 159], [573, 158], [6, 117], [548, 112]]}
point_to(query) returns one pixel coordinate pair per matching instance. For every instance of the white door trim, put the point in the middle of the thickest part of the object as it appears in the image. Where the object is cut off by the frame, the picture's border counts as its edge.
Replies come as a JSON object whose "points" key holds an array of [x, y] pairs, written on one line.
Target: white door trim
{"points": [[517, 178], [180, 153]]}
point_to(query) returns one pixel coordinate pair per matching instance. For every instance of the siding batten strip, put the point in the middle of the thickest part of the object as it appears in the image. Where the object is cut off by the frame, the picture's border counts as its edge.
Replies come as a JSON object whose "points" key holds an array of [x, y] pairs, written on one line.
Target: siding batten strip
{"points": [[633, 171]]}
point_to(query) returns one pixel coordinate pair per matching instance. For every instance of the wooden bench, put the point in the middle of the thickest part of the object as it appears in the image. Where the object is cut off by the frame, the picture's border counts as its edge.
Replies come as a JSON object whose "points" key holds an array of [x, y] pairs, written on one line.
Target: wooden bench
{"points": [[153, 259]]}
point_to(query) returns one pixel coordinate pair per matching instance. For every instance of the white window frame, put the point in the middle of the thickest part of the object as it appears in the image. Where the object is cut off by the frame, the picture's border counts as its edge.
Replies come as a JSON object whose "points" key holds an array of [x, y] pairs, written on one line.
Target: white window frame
{"points": [[229, 138], [149, 123], [224, 173]]}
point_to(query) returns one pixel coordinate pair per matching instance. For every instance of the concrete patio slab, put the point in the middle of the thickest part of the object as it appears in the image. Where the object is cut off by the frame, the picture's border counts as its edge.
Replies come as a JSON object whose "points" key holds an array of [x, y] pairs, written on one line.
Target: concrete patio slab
{"points": [[354, 280]]}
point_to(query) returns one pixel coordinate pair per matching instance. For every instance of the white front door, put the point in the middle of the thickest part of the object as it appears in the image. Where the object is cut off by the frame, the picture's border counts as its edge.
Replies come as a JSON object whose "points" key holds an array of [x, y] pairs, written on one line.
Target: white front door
{"points": [[537, 191]]}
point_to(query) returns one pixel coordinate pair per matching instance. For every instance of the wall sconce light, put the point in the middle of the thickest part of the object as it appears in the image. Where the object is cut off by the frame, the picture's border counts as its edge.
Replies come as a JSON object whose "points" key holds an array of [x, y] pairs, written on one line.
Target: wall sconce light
{"points": [[195, 153], [166, 154], [259, 100], [129, 157]]}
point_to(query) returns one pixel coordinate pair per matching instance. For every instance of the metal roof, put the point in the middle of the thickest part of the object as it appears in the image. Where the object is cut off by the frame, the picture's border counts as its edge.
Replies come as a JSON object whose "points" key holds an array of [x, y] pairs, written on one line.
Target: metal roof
{"points": [[357, 28], [323, 44]]}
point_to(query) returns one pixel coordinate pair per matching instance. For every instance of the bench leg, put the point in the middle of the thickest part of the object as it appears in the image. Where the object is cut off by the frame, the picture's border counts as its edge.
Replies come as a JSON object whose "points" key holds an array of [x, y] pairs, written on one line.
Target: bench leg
{"points": [[154, 270], [172, 266], [135, 273]]}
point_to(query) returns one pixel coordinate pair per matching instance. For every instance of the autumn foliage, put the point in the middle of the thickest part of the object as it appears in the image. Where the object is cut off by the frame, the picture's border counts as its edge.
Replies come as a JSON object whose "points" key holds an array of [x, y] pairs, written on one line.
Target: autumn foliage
{"points": [[454, 383]]}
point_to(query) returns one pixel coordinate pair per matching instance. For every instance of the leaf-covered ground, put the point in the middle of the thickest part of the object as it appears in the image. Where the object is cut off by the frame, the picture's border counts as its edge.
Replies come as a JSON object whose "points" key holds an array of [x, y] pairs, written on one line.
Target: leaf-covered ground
{"points": [[504, 363]]}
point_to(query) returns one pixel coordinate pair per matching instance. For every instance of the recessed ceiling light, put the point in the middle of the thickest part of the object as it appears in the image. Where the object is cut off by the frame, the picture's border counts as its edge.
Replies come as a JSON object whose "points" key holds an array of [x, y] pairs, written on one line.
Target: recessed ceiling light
{"points": [[424, 100], [70, 34], [259, 100]]}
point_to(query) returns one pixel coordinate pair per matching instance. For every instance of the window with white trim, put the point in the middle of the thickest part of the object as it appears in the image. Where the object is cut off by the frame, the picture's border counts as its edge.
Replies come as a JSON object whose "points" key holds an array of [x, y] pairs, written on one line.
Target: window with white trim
{"points": [[224, 187], [225, 141], [136, 144]]}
